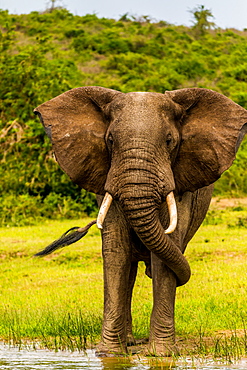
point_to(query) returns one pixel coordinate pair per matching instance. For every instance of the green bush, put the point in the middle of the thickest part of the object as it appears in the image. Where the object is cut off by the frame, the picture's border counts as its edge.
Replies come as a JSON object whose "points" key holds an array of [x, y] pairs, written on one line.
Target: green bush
{"points": [[25, 209]]}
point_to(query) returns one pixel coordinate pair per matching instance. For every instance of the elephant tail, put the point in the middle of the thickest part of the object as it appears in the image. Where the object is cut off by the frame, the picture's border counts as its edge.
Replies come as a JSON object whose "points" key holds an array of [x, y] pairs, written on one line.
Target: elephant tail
{"points": [[69, 237]]}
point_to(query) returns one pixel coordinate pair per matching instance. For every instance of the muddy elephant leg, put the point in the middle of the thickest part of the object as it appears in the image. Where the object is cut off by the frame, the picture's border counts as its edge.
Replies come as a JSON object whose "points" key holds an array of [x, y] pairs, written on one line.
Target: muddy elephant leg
{"points": [[132, 278], [162, 330], [117, 264]]}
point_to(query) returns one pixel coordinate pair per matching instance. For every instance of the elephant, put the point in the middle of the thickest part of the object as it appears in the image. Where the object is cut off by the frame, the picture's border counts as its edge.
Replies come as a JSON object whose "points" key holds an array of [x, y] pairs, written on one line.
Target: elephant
{"points": [[151, 159]]}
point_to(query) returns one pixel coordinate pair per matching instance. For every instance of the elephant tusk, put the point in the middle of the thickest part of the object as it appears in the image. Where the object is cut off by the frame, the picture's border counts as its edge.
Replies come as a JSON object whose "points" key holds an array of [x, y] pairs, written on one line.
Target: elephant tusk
{"points": [[171, 203], [105, 205]]}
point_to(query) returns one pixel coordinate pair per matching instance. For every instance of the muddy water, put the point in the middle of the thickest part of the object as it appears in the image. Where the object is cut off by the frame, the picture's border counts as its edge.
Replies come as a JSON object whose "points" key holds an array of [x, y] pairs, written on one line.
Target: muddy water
{"points": [[14, 359]]}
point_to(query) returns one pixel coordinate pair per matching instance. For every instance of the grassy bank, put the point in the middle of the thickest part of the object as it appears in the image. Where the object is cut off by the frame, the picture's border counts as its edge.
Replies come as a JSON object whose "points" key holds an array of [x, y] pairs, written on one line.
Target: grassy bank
{"points": [[57, 301]]}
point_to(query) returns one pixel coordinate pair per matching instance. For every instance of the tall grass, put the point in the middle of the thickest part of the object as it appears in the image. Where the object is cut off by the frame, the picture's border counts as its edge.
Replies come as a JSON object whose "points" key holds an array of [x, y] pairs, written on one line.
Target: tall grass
{"points": [[57, 302]]}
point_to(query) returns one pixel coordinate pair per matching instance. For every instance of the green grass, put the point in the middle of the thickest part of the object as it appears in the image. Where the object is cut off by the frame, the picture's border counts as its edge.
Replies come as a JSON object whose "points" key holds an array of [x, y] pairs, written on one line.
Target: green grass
{"points": [[57, 301], [59, 296]]}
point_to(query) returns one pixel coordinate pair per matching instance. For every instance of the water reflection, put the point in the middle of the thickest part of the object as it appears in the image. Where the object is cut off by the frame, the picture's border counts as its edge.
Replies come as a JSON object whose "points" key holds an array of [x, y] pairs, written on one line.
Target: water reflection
{"points": [[13, 359]]}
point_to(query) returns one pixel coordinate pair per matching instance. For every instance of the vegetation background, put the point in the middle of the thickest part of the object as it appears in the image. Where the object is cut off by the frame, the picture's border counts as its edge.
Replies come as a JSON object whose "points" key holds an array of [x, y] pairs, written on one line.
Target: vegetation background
{"points": [[44, 54]]}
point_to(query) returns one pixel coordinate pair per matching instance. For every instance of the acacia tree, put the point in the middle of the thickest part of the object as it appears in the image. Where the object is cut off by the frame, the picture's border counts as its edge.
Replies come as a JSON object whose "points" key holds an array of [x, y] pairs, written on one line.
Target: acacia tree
{"points": [[201, 20]]}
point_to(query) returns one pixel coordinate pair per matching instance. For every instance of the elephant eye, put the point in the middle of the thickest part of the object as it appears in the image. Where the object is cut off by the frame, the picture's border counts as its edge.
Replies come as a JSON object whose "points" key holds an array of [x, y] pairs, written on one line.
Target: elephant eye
{"points": [[168, 140], [110, 140]]}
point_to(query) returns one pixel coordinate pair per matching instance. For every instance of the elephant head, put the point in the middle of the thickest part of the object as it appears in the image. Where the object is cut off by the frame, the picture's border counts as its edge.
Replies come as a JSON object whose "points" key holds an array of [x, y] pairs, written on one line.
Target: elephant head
{"points": [[138, 148]]}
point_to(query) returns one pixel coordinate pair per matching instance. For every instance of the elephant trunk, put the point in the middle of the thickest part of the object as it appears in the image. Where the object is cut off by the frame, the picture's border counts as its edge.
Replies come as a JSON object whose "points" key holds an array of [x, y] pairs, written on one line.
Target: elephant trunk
{"points": [[143, 215]]}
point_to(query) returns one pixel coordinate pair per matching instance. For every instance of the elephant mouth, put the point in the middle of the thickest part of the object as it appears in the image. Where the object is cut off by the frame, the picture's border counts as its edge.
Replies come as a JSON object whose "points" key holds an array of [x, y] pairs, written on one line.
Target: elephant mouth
{"points": [[171, 204]]}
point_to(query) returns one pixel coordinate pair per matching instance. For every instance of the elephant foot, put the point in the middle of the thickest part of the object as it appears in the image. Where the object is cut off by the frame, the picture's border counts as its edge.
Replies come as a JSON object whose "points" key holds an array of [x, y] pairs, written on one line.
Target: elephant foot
{"points": [[104, 350], [163, 349]]}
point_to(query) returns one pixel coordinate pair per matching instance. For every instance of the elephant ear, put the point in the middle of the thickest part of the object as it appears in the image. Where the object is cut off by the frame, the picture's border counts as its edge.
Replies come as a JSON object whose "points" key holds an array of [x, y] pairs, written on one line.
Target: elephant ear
{"points": [[76, 125], [212, 129]]}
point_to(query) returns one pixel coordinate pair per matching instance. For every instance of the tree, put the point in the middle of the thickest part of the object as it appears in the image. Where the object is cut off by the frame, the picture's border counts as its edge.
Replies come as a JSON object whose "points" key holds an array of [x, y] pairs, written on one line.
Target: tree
{"points": [[52, 5], [201, 20]]}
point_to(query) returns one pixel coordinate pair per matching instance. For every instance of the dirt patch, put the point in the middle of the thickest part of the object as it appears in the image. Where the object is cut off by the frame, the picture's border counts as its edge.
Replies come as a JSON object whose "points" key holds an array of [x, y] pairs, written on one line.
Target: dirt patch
{"points": [[221, 203]]}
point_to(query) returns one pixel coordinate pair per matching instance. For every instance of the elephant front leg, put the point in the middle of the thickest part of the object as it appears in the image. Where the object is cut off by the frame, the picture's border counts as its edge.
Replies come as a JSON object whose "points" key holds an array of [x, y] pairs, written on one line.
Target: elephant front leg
{"points": [[162, 328], [117, 265], [116, 274], [132, 278]]}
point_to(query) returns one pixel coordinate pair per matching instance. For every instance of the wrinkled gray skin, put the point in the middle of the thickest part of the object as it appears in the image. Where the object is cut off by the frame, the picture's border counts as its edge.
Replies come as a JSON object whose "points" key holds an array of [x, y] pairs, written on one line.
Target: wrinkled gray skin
{"points": [[139, 147]]}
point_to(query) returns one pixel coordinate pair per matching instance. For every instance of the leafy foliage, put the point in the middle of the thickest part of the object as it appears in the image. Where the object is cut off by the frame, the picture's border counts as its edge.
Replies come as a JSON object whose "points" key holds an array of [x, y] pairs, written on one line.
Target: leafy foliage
{"points": [[202, 23], [45, 54]]}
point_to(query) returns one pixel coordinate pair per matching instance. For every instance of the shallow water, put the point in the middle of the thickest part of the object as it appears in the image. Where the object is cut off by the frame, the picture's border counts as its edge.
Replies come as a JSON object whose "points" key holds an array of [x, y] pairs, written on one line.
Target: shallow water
{"points": [[24, 359]]}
